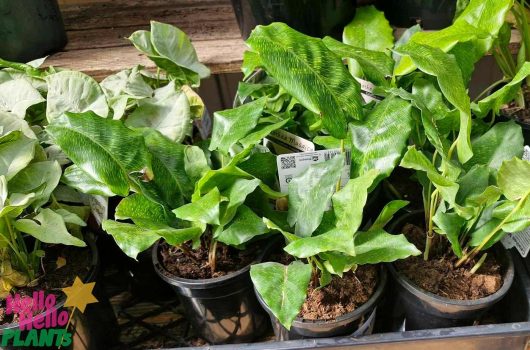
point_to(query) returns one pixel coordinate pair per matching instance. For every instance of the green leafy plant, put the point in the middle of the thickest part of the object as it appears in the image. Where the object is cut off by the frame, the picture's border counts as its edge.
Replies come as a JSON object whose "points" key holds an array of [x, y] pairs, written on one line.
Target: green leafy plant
{"points": [[31, 216], [326, 243]]}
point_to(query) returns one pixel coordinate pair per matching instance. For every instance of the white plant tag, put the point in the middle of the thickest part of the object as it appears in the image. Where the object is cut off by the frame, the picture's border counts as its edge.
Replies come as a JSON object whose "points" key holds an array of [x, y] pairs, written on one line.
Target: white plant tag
{"points": [[367, 89], [99, 205], [282, 142], [519, 240], [292, 164]]}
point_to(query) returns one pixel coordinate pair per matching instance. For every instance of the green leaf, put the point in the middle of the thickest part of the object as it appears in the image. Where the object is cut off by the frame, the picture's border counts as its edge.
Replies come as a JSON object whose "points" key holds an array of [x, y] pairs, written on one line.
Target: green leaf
{"points": [[502, 142], [369, 29], [74, 92], [480, 23], [376, 66], [168, 111], [495, 101], [70, 218], [450, 224], [11, 122], [518, 220], [124, 86], [141, 211], [105, 149], [196, 104], [387, 213], [335, 240], [173, 44], [310, 192], [322, 83], [16, 151], [48, 227], [236, 195], [204, 210], [76, 178], [40, 178], [378, 246], [175, 172], [245, 226], [513, 178], [283, 288], [381, 139], [444, 67], [17, 95], [231, 125], [261, 131], [416, 160], [349, 202], [133, 239]]}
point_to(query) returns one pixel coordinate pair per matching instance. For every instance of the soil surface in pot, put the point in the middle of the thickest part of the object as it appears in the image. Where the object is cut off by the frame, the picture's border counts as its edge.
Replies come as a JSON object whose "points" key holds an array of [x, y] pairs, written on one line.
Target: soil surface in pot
{"points": [[340, 296], [513, 111], [194, 263], [54, 275], [406, 188], [438, 275]]}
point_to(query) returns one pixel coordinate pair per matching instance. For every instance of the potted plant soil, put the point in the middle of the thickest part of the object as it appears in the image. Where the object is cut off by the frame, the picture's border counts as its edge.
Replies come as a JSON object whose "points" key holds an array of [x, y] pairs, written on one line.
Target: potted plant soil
{"points": [[44, 247], [327, 282]]}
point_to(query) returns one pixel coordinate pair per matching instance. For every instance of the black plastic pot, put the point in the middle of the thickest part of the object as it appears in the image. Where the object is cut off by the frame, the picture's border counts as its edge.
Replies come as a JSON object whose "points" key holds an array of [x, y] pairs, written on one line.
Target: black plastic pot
{"points": [[312, 17], [425, 310], [94, 329], [30, 29], [221, 310], [431, 14], [356, 323]]}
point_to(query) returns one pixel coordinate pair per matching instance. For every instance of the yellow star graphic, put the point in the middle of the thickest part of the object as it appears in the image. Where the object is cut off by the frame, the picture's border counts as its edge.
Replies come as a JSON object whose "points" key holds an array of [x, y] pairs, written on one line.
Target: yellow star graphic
{"points": [[79, 295]]}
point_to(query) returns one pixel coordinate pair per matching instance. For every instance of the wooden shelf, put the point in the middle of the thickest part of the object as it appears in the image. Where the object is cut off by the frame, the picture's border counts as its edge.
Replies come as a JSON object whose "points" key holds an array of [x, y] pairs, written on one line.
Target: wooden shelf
{"points": [[97, 30]]}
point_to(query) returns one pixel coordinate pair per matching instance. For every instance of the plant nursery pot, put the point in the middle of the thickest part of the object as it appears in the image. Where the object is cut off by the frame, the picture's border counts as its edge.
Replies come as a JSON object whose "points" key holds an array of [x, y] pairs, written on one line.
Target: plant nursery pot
{"points": [[90, 330], [356, 323], [30, 29], [222, 309], [312, 17], [430, 14], [425, 310]]}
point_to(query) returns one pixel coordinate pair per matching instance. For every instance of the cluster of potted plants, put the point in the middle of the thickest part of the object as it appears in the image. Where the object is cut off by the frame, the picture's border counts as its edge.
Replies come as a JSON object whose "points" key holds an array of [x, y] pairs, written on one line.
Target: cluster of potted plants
{"points": [[281, 209]]}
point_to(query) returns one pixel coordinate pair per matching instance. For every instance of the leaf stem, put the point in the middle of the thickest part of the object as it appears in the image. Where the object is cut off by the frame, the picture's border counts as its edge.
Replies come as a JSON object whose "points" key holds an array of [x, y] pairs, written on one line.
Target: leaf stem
{"points": [[212, 261], [479, 263], [337, 189]]}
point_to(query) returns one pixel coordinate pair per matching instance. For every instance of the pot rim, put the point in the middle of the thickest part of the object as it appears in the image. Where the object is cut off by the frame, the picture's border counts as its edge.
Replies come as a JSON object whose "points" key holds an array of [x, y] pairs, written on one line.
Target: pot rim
{"points": [[355, 314], [91, 276], [410, 286], [204, 283]]}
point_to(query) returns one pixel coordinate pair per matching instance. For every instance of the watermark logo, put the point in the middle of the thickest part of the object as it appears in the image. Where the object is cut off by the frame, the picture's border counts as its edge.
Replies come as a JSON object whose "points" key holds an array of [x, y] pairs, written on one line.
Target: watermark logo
{"points": [[41, 322]]}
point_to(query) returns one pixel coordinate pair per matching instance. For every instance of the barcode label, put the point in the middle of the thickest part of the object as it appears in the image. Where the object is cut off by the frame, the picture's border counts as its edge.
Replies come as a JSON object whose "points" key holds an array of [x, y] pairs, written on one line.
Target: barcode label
{"points": [[293, 164], [283, 142]]}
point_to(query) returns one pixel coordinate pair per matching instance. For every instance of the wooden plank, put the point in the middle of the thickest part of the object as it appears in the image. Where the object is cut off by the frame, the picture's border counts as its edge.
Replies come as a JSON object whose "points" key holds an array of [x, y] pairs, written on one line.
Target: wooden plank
{"points": [[112, 37], [222, 56]]}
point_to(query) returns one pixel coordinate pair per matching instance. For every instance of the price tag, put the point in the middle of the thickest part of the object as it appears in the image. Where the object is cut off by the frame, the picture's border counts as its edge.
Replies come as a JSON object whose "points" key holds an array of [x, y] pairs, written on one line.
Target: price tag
{"points": [[282, 142], [367, 89], [519, 240], [99, 206], [293, 164]]}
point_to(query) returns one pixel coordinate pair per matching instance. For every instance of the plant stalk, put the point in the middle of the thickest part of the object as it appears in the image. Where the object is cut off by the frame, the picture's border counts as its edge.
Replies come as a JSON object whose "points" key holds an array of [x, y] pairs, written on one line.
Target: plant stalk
{"points": [[479, 263], [337, 188], [212, 255]]}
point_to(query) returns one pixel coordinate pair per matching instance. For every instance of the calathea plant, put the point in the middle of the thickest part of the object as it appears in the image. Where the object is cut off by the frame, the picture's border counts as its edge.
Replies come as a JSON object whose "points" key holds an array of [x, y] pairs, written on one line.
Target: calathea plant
{"points": [[30, 215], [326, 243]]}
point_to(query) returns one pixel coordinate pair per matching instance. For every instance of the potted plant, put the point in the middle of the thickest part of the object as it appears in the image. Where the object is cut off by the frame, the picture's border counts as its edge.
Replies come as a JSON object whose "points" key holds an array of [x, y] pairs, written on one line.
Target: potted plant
{"points": [[327, 284], [172, 191], [40, 234], [508, 96]]}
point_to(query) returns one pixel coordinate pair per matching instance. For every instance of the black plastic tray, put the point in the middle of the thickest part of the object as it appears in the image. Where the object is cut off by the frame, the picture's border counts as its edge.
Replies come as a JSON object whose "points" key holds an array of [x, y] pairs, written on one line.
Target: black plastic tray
{"points": [[513, 333]]}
